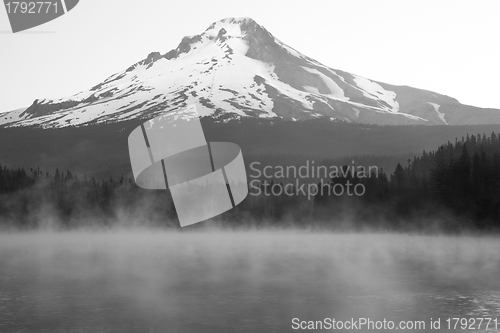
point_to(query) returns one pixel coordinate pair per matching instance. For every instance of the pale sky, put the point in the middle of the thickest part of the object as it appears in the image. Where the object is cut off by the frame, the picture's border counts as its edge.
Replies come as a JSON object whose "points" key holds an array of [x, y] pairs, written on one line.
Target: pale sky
{"points": [[450, 47]]}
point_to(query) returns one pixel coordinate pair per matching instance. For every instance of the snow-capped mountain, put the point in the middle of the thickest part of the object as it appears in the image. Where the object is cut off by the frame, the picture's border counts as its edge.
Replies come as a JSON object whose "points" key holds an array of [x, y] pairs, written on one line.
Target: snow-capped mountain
{"points": [[236, 69]]}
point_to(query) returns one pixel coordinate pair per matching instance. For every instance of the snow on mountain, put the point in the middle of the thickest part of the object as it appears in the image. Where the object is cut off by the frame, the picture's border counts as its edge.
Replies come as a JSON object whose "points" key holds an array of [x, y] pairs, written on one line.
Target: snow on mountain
{"points": [[441, 115], [11, 116], [236, 69]]}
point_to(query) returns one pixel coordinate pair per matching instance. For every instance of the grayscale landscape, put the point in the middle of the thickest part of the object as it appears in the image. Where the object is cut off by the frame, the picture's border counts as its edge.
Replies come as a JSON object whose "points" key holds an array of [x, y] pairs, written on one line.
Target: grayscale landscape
{"points": [[341, 162]]}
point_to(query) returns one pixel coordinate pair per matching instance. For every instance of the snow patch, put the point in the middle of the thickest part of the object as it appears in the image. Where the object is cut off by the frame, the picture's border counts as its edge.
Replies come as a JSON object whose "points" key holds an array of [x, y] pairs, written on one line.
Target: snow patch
{"points": [[356, 111], [312, 90], [11, 116], [375, 91], [440, 114], [335, 91]]}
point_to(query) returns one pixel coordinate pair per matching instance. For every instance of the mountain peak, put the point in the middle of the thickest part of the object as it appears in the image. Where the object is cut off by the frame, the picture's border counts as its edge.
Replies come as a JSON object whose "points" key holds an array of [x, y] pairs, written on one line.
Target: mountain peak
{"points": [[236, 68], [232, 21], [235, 27]]}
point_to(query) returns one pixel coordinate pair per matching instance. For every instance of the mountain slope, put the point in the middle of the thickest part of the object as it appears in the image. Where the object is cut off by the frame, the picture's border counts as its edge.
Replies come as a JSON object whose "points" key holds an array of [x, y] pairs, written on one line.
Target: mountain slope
{"points": [[102, 149], [235, 69]]}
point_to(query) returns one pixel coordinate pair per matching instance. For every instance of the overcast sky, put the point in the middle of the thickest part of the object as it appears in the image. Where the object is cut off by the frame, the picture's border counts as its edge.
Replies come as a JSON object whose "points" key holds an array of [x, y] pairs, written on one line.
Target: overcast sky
{"points": [[450, 47]]}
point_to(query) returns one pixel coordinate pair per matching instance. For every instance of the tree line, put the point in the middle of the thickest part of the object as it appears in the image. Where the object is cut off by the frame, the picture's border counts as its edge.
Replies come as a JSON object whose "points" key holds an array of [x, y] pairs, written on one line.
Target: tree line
{"points": [[34, 198], [454, 188]]}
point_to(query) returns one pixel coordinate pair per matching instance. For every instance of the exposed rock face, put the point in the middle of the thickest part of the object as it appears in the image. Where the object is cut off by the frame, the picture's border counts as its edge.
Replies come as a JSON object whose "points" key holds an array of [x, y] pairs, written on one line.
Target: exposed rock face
{"points": [[38, 109], [184, 47]]}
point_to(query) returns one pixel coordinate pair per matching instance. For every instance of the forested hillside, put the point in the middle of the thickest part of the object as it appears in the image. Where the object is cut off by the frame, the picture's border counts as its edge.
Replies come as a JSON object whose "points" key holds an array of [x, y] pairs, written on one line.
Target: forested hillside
{"points": [[454, 188]]}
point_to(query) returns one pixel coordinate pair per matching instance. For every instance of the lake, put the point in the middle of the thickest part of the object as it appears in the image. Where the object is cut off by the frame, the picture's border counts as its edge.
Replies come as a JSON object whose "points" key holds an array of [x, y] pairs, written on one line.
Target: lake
{"points": [[243, 281]]}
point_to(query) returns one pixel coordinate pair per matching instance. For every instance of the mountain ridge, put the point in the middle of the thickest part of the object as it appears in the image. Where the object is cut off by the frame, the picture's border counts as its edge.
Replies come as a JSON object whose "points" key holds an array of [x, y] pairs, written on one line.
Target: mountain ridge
{"points": [[236, 68]]}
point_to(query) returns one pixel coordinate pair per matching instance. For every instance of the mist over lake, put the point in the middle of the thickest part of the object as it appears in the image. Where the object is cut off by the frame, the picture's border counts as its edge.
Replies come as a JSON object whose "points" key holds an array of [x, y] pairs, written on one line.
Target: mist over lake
{"points": [[241, 281]]}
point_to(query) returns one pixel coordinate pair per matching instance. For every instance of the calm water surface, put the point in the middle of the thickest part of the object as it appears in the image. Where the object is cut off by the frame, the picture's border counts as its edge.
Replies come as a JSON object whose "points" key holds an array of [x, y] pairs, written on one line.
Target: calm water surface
{"points": [[156, 281]]}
